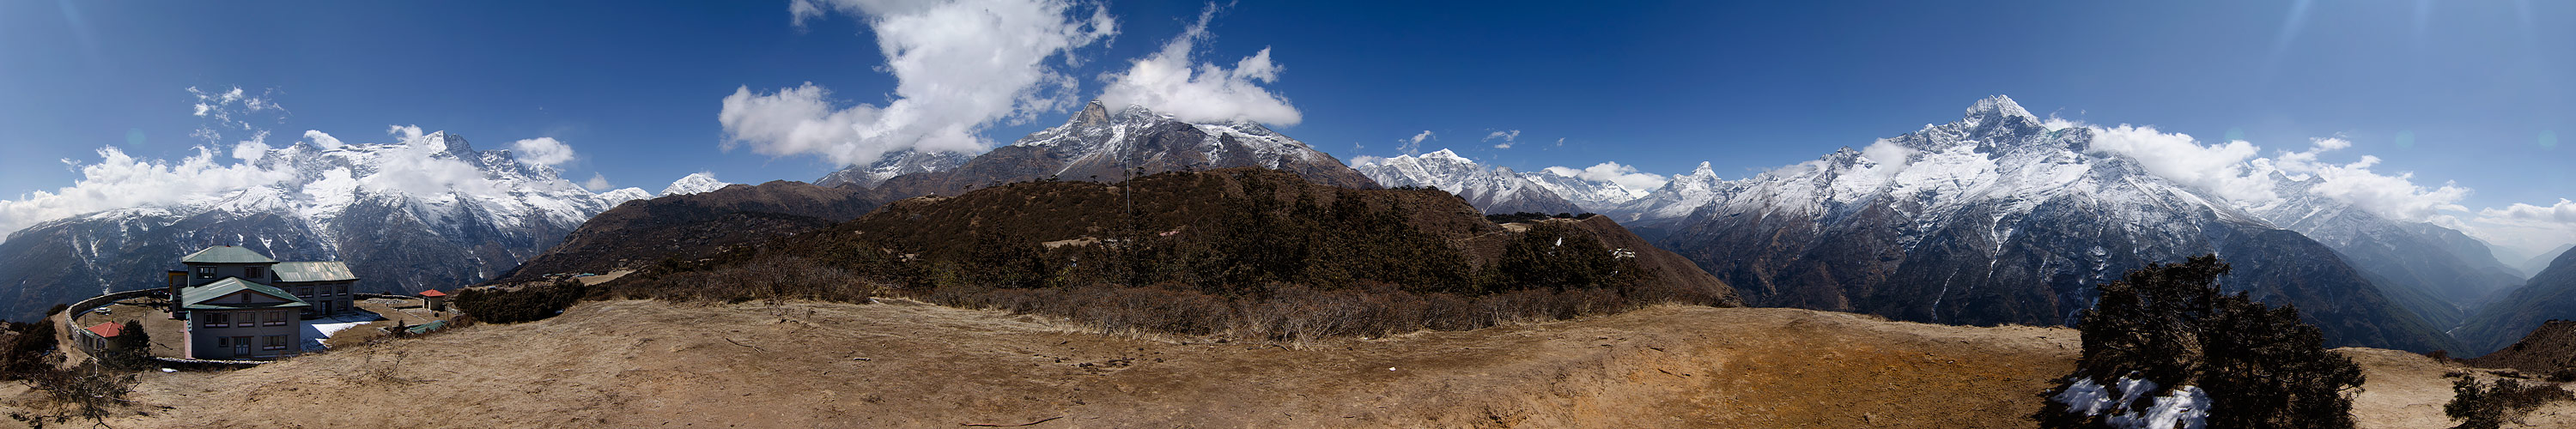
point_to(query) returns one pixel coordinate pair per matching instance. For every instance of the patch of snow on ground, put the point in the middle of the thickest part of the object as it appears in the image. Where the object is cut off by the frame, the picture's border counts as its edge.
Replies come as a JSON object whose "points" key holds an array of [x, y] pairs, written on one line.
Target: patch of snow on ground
{"points": [[317, 330], [2185, 408]]}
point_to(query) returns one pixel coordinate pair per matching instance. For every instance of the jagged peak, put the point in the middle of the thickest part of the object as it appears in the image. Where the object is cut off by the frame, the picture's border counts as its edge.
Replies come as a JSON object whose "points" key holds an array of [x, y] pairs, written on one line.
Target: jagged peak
{"points": [[445, 142], [1704, 170], [1999, 105], [1996, 110], [1093, 113], [1448, 155]]}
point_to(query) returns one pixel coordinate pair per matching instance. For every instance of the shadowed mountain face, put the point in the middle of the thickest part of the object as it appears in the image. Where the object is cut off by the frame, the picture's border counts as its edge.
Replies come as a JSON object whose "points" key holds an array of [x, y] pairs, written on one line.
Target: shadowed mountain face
{"points": [[2435, 272], [2550, 295], [1249, 215], [1094, 145], [1993, 219], [691, 226], [1100, 145]]}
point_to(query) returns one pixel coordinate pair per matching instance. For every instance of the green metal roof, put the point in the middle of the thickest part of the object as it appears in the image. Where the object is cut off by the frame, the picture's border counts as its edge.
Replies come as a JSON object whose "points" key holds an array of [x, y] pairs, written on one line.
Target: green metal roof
{"points": [[195, 297], [226, 255], [426, 327], [312, 272]]}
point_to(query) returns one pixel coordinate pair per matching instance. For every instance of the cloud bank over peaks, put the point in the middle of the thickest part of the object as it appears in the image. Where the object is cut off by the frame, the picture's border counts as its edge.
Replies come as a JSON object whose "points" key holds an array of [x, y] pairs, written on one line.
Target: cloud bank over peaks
{"points": [[322, 139], [1625, 176], [544, 151], [2394, 197], [1171, 83], [120, 181], [2222, 169], [959, 66]]}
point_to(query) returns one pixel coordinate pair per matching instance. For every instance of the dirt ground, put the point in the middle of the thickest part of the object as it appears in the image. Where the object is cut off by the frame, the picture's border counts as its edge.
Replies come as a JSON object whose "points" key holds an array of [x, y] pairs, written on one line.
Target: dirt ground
{"points": [[656, 364]]}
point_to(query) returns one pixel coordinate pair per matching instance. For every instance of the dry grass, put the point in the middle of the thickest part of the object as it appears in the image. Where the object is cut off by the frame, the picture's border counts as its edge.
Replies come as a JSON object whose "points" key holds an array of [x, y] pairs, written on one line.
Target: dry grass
{"points": [[902, 364]]}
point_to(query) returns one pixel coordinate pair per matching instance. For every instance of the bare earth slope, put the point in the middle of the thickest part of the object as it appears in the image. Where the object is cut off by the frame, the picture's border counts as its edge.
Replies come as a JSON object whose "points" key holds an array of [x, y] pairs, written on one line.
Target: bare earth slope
{"points": [[636, 364], [657, 364]]}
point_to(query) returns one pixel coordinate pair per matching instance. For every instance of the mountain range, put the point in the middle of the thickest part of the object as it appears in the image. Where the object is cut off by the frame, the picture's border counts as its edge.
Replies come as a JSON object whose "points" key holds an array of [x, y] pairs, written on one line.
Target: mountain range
{"points": [[428, 212], [2000, 218], [1493, 190], [1995, 218]]}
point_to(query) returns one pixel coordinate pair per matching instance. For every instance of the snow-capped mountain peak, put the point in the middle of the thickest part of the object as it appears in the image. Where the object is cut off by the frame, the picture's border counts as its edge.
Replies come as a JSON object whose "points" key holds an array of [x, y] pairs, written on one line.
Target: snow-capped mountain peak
{"points": [[1492, 189], [425, 212], [1993, 218], [700, 182], [1996, 109]]}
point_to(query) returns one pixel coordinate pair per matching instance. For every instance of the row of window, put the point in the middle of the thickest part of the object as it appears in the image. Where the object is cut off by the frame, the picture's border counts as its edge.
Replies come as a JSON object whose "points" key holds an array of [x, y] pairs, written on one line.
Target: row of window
{"points": [[243, 344], [248, 319], [247, 272], [327, 290]]}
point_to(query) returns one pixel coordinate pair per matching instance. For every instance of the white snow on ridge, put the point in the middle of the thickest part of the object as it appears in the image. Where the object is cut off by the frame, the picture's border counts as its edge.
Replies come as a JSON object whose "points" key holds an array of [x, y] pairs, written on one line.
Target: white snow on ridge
{"points": [[694, 183], [436, 178], [1486, 187]]}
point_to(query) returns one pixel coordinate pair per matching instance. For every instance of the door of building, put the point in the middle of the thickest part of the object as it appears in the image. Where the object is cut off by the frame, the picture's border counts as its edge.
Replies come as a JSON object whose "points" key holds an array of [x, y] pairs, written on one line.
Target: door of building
{"points": [[241, 346]]}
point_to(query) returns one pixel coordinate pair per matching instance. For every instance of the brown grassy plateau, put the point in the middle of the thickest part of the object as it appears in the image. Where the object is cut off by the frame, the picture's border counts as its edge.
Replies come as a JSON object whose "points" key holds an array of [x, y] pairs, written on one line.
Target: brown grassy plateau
{"points": [[659, 364]]}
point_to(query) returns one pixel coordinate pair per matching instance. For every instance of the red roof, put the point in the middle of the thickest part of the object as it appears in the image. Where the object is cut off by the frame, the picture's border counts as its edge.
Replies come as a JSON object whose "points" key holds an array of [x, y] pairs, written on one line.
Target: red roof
{"points": [[107, 330], [432, 292]]}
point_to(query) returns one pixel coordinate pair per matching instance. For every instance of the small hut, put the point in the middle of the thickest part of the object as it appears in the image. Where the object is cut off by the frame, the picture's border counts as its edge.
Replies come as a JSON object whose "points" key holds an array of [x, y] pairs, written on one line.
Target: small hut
{"points": [[94, 339], [435, 300]]}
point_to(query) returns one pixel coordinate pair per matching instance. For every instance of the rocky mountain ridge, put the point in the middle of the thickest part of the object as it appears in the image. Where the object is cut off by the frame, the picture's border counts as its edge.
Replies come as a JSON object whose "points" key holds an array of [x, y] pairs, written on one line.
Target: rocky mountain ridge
{"points": [[428, 212]]}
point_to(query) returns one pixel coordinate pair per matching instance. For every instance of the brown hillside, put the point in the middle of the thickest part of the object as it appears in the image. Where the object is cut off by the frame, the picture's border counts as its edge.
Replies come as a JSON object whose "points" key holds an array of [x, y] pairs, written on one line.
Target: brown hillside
{"points": [[1063, 210], [693, 226], [2548, 349]]}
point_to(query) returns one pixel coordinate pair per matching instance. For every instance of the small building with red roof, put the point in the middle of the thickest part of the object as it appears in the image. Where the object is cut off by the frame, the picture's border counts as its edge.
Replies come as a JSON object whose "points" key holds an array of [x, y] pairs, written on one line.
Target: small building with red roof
{"points": [[94, 338], [435, 300]]}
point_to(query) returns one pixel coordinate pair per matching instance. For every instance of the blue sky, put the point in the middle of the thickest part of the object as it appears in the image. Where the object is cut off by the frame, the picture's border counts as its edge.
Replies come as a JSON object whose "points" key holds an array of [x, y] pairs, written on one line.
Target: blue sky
{"points": [[2468, 93]]}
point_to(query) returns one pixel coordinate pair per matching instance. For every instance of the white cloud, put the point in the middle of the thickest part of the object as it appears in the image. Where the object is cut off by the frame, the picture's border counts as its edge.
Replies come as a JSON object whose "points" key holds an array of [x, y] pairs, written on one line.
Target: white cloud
{"points": [[323, 140], [1508, 137], [1623, 175], [597, 183], [959, 67], [1888, 154], [1171, 83], [1413, 145], [2525, 228], [2221, 169], [2394, 197], [414, 167], [252, 150], [2562, 213], [2055, 123], [230, 110], [542, 151], [404, 132], [119, 181]]}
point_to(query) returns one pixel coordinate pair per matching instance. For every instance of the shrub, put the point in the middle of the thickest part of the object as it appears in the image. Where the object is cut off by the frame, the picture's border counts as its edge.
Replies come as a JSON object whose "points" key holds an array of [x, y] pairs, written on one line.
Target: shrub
{"points": [[30, 349], [2488, 407], [526, 304], [130, 350], [2167, 324]]}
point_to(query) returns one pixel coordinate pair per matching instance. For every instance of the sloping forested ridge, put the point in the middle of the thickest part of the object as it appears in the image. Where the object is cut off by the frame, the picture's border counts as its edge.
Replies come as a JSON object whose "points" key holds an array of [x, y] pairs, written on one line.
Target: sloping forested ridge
{"points": [[1244, 252]]}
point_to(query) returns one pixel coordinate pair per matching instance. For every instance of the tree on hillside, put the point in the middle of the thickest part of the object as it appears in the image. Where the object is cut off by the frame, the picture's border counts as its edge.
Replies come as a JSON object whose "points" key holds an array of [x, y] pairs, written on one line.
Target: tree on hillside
{"points": [[2227, 357], [130, 350]]}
